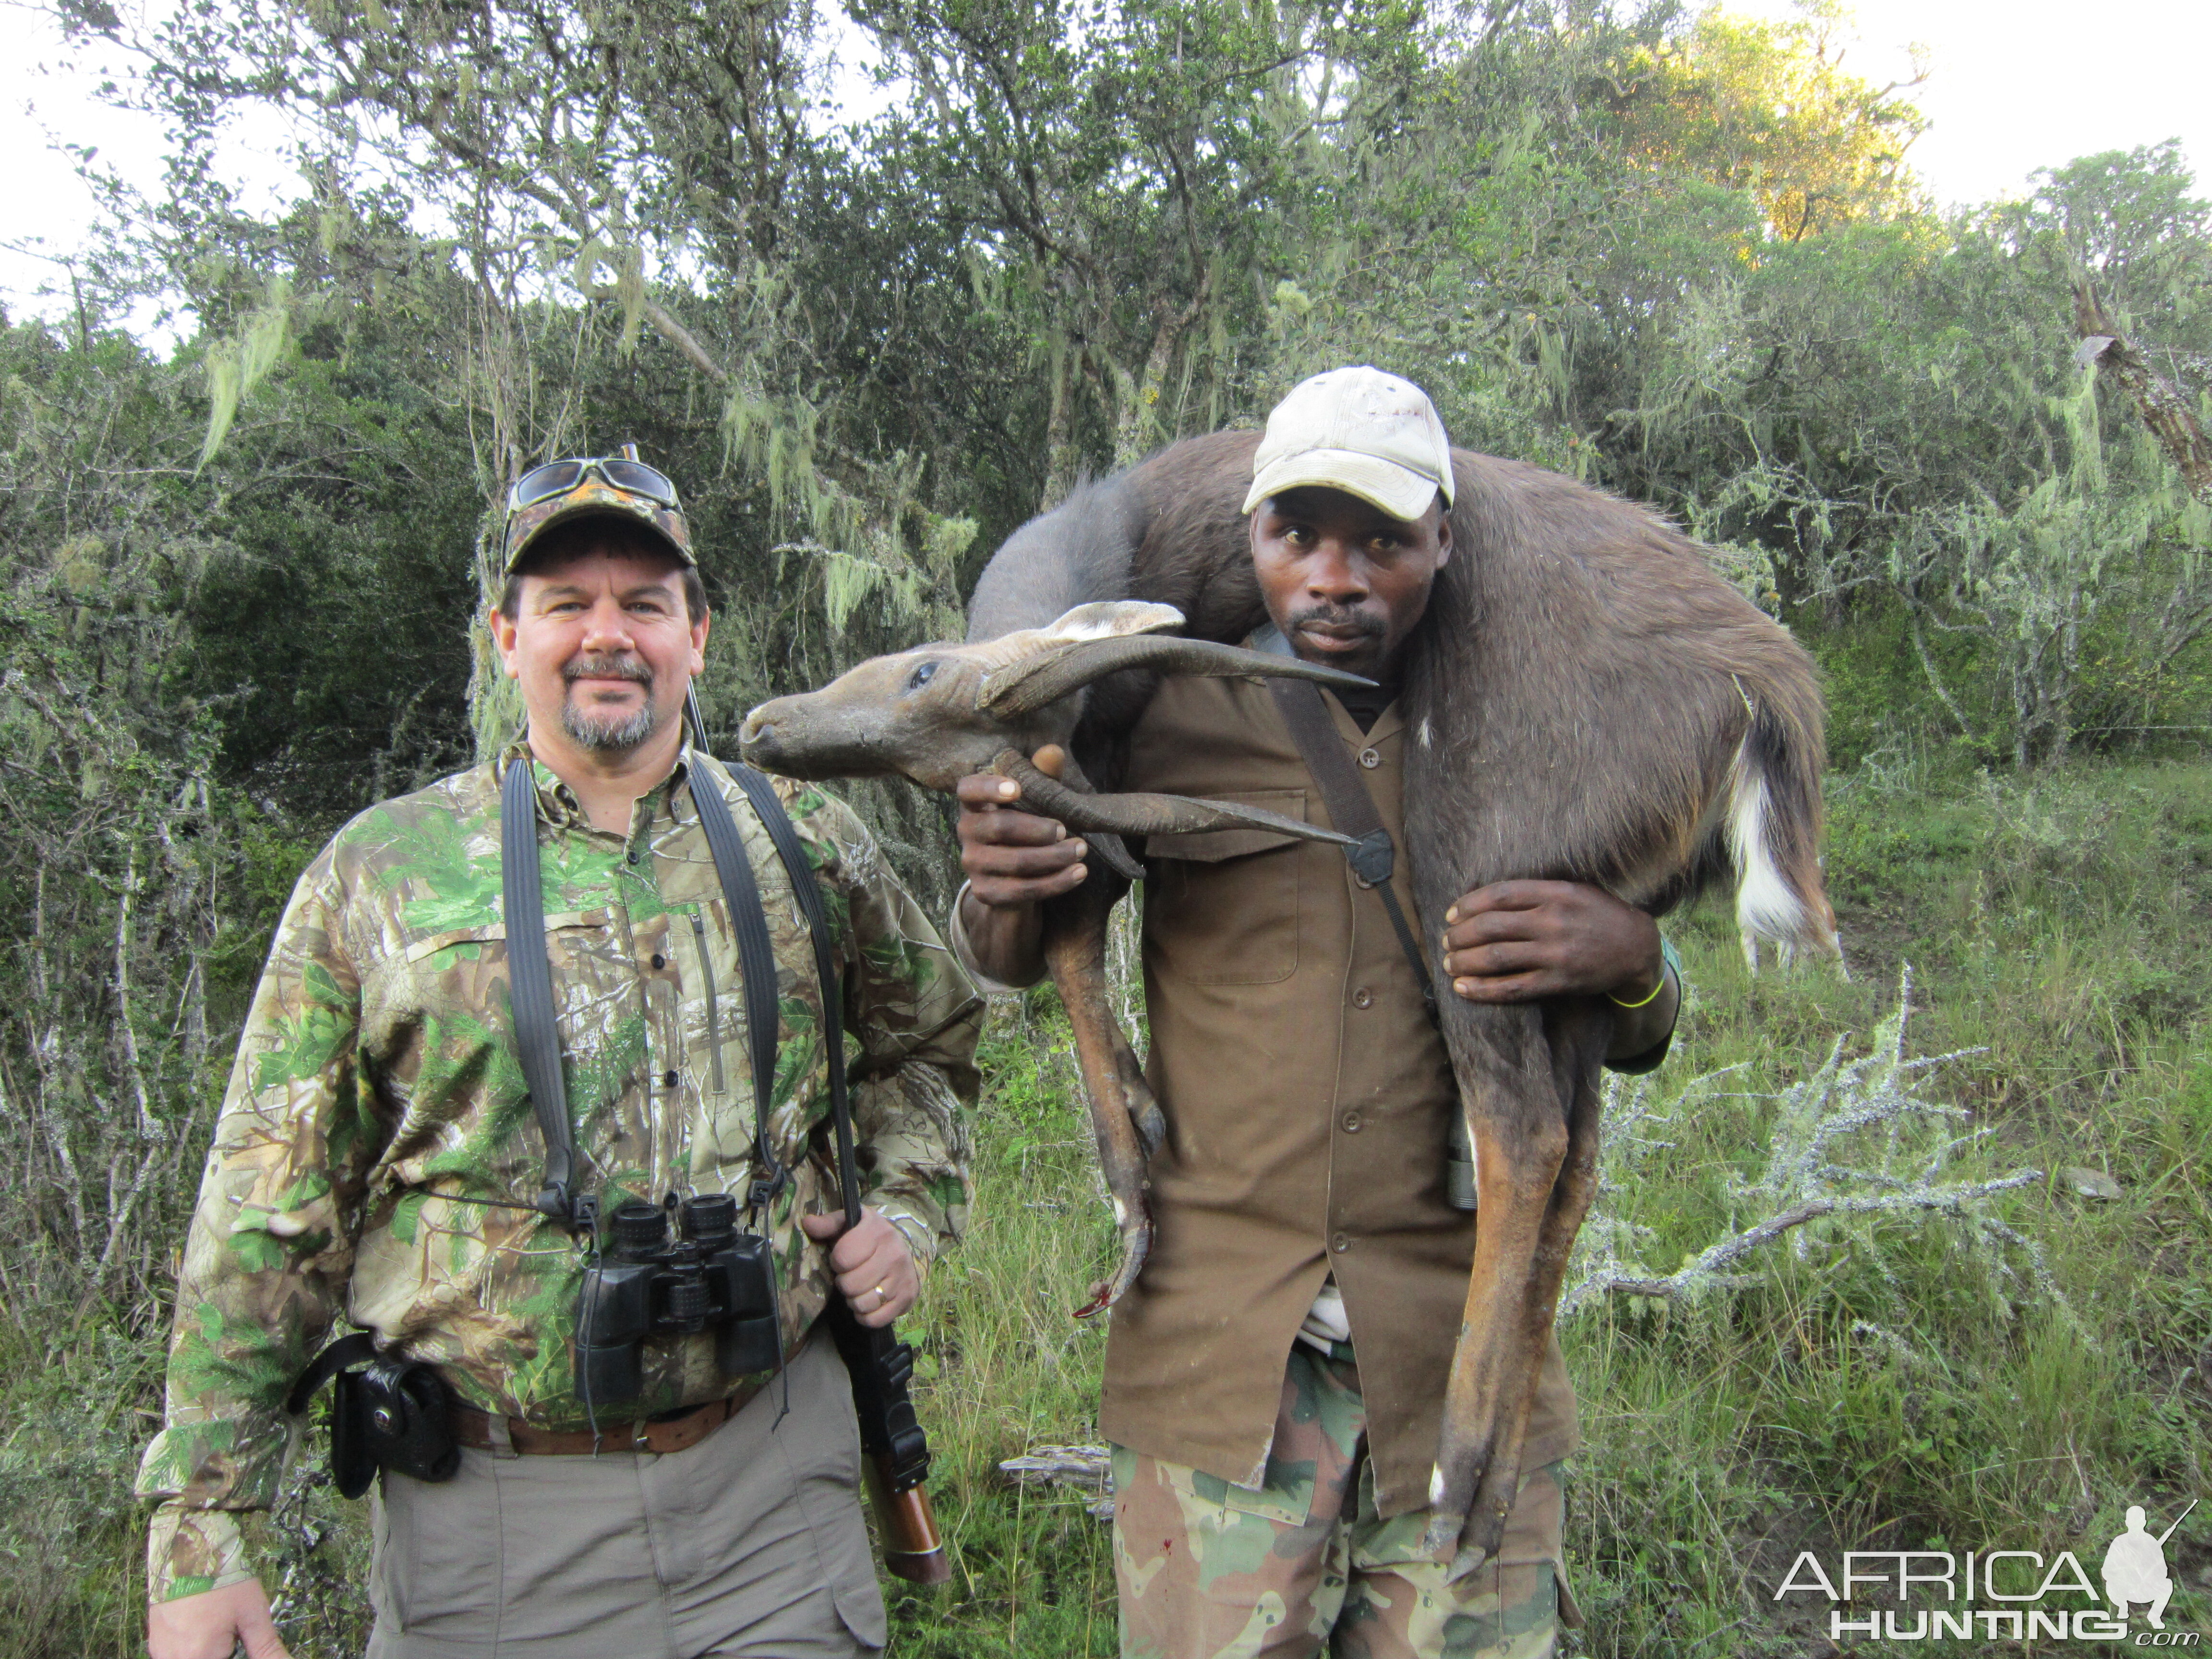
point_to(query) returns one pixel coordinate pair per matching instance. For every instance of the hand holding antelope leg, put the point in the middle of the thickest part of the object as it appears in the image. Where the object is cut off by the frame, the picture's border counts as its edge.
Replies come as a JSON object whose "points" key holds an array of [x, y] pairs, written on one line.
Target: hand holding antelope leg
{"points": [[1514, 941], [1032, 894], [1507, 947]]}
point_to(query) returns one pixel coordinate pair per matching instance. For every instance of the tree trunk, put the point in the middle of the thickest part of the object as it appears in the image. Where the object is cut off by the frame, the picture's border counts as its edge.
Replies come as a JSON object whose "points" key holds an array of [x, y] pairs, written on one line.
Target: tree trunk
{"points": [[1061, 463], [2164, 411], [1136, 427]]}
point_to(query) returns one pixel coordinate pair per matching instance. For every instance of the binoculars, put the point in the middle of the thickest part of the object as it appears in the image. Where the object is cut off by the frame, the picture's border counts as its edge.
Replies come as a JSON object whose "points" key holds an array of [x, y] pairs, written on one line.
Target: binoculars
{"points": [[645, 1284]]}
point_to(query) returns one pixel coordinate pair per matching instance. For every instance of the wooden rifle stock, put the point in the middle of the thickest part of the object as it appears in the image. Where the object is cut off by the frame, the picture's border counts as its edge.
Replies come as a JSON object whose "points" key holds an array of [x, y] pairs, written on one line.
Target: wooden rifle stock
{"points": [[891, 1440]]}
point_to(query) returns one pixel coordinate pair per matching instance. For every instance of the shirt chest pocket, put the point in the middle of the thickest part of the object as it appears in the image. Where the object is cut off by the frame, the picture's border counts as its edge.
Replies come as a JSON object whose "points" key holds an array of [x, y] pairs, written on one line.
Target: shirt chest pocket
{"points": [[456, 968], [450, 990], [1221, 906]]}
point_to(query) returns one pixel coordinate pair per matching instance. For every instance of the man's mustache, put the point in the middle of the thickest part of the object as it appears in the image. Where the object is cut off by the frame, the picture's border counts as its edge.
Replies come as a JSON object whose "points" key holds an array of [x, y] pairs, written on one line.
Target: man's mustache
{"points": [[606, 668], [1340, 616]]}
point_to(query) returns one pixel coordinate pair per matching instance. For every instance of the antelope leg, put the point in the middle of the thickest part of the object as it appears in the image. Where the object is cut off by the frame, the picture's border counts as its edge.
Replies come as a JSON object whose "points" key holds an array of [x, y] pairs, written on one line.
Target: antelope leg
{"points": [[1107, 848], [1536, 1161], [1144, 1107], [1075, 952]]}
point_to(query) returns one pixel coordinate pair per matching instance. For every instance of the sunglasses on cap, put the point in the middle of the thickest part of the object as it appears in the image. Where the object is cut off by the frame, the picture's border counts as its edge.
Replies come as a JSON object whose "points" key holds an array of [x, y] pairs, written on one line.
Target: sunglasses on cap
{"points": [[635, 477]]}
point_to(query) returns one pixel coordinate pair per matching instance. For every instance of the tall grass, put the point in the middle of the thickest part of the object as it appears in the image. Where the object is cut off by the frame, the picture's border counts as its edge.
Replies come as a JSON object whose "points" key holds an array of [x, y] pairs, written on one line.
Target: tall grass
{"points": [[1886, 1385]]}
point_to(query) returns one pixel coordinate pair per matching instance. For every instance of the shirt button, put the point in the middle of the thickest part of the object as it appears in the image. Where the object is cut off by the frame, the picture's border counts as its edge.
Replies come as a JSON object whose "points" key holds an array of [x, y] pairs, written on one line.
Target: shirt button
{"points": [[669, 1078], [1353, 1123], [1363, 997], [659, 961], [1370, 758], [1340, 1243], [633, 855]]}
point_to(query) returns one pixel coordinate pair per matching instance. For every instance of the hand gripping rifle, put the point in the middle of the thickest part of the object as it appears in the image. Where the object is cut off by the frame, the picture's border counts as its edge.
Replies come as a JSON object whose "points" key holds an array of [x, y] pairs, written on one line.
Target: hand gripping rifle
{"points": [[882, 1366]]}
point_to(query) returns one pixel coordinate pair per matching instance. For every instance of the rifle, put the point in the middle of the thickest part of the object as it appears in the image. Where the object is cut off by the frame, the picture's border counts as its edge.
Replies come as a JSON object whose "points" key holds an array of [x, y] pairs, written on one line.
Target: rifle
{"points": [[895, 1450]]}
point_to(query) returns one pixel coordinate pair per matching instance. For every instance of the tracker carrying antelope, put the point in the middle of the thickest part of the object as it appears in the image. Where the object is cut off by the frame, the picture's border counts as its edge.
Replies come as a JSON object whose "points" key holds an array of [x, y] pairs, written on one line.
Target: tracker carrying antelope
{"points": [[1586, 707]]}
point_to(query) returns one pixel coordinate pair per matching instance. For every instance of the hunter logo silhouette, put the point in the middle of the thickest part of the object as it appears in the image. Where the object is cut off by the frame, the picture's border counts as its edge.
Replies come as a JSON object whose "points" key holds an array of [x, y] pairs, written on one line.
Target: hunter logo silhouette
{"points": [[2135, 1567]]}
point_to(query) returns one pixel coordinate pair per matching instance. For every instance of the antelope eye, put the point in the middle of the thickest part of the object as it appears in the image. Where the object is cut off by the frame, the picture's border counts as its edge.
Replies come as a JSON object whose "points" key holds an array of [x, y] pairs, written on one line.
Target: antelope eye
{"points": [[923, 673]]}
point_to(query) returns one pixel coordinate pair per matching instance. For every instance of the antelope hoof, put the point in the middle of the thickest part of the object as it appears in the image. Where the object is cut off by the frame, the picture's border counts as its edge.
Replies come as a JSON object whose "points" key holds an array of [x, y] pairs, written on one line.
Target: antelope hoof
{"points": [[1441, 1541], [1467, 1540], [1152, 1123], [1468, 1560], [1467, 1507], [1136, 1245], [1450, 1539]]}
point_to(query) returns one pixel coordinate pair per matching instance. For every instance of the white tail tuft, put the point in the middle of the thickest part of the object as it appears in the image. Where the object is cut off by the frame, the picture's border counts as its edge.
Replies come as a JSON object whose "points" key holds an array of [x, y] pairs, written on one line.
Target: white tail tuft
{"points": [[1766, 905]]}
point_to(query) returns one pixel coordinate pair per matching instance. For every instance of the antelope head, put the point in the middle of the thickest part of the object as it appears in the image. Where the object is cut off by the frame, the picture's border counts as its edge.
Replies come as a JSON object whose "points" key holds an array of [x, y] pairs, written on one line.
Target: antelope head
{"points": [[939, 713]]}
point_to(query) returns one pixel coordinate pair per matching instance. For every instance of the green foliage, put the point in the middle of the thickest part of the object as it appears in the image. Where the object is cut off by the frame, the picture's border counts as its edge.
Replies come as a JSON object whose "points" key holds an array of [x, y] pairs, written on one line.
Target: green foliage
{"points": [[1887, 1389], [235, 367], [1767, 108], [1680, 256]]}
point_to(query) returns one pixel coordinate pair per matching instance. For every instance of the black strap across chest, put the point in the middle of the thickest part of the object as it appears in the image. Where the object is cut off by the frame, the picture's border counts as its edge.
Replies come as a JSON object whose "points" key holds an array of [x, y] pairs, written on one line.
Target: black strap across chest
{"points": [[530, 978], [793, 852], [1351, 809], [1372, 858], [529, 988]]}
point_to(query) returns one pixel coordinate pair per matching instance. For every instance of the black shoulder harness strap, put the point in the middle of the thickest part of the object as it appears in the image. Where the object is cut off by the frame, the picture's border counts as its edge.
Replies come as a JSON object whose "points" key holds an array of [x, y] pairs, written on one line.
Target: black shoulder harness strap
{"points": [[530, 981], [1351, 808], [756, 957], [353, 1349], [793, 852], [529, 988], [1372, 858], [880, 1365]]}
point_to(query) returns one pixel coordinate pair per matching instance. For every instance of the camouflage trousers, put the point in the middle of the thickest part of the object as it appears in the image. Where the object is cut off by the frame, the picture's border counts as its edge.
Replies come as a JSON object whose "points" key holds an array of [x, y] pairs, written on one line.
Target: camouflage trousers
{"points": [[1304, 1566]]}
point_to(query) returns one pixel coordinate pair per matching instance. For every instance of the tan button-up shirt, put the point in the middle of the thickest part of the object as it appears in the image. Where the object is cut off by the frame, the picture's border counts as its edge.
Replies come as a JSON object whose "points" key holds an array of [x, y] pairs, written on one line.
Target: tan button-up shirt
{"points": [[1308, 1097]]}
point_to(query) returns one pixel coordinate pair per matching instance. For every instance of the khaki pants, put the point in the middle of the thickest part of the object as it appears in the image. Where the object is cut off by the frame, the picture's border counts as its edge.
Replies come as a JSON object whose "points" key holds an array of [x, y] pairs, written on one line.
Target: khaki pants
{"points": [[750, 1545], [1304, 1566]]}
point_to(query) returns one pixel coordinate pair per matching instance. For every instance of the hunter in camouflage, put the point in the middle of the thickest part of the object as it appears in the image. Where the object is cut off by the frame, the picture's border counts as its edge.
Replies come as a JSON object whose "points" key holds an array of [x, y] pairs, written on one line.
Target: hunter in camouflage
{"points": [[378, 1155], [377, 1077]]}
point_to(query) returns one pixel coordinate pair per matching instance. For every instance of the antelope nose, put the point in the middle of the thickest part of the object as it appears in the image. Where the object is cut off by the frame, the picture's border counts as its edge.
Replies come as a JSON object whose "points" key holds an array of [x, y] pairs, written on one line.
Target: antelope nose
{"points": [[756, 725]]}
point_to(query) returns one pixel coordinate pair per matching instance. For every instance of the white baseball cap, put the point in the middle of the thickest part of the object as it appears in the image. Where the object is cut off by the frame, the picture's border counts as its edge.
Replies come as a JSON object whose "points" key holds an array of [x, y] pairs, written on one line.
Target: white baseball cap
{"points": [[1359, 431]]}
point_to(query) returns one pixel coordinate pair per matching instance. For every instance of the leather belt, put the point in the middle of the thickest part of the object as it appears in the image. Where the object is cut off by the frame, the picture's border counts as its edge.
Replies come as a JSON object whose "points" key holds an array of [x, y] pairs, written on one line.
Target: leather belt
{"points": [[482, 1430]]}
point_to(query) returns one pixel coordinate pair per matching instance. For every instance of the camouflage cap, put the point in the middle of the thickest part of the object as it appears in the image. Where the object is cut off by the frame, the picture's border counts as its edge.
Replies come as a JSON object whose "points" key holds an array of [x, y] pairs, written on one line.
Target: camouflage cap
{"points": [[612, 486]]}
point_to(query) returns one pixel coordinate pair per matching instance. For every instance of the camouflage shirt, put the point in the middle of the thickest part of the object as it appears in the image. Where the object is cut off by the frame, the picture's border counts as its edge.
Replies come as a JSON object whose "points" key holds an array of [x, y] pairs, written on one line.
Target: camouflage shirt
{"points": [[376, 1091]]}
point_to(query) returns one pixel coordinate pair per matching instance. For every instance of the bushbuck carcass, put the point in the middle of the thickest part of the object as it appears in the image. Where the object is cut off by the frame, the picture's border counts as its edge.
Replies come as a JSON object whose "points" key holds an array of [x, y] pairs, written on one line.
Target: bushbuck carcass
{"points": [[1590, 701]]}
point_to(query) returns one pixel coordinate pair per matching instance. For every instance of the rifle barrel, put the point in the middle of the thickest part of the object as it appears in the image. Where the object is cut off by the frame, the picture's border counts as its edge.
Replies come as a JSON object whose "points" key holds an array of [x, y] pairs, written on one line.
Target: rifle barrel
{"points": [[2178, 1520]]}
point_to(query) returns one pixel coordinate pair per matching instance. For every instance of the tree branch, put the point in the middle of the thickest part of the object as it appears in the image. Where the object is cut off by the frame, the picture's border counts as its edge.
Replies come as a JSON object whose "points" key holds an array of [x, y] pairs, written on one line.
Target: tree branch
{"points": [[2164, 411], [665, 324]]}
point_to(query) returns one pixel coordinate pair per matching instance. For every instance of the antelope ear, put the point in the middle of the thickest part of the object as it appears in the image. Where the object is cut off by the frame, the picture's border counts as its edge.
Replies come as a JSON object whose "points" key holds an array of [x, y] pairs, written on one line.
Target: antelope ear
{"points": [[1111, 619], [1023, 687]]}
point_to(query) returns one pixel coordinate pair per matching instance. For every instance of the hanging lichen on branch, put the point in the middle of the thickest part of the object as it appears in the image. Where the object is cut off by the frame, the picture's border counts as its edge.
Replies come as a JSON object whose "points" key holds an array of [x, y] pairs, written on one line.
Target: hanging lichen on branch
{"points": [[236, 366]]}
